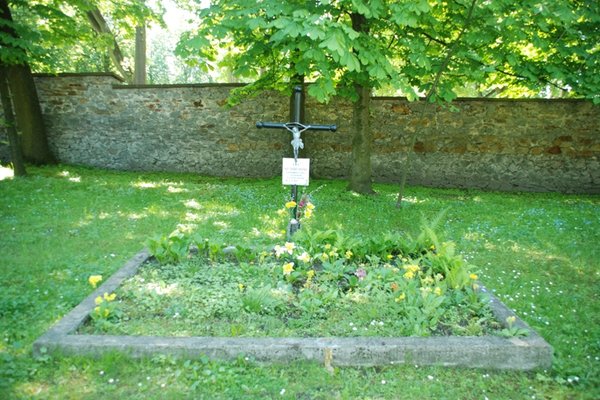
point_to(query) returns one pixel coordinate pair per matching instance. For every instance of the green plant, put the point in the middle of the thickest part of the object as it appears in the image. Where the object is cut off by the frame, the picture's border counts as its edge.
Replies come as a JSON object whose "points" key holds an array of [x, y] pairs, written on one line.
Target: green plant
{"points": [[511, 330], [170, 249]]}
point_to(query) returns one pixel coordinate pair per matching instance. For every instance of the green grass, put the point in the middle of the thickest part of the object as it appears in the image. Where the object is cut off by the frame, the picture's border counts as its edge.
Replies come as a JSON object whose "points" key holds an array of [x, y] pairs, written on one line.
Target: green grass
{"points": [[538, 252]]}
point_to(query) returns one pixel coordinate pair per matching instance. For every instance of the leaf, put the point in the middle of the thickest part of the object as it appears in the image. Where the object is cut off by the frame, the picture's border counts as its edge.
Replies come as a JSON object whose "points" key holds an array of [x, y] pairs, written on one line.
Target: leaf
{"points": [[362, 8], [332, 44], [197, 42], [351, 62]]}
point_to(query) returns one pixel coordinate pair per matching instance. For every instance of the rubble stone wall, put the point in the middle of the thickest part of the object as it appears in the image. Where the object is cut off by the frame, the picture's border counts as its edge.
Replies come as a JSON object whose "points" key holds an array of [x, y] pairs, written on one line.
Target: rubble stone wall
{"points": [[526, 145]]}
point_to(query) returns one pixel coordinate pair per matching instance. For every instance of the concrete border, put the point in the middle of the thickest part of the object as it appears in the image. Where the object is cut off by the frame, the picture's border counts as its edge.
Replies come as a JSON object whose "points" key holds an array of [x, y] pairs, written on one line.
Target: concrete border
{"points": [[490, 352]]}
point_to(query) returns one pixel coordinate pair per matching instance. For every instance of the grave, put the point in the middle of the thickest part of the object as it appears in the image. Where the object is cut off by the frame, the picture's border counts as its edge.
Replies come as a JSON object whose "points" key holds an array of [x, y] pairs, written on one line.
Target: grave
{"points": [[490, 352]]}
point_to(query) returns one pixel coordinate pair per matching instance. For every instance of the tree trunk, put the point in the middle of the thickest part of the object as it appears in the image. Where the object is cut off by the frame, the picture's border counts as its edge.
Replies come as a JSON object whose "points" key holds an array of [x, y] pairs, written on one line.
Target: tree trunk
{"points": [[28, 113], [100, 25], [25, 102], [16, 155], [140, 56], [360, 170], [360, 173]]}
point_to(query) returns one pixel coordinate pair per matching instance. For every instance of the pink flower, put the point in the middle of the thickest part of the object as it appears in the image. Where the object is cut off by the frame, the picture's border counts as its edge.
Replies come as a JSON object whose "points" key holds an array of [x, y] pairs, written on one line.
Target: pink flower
{"points": [[360, 273]]}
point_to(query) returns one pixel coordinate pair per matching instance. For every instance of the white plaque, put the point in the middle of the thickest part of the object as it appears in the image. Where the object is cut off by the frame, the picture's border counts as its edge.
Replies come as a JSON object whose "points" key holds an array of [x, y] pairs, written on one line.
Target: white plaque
{"points": [[295, 172]]}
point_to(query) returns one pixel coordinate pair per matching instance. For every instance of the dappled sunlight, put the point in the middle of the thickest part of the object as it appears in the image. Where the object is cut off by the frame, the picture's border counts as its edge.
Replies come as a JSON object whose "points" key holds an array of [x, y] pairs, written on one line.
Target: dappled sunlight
{"points": [[272, 225], [193, 204], [89, 218], [407, 199], [193, 217], [474, 236], [6, 173], [221, 224], [172, 189], [135, 216], [29, 389], [162, 289], [145, 185], [186, 228], [70, 178], [537, 253], [413, 200]]}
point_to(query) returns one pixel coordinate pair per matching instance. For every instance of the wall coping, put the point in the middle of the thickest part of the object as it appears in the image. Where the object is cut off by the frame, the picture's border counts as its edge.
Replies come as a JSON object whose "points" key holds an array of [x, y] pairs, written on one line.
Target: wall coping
{"points": [[124, 86], [78, 74]]}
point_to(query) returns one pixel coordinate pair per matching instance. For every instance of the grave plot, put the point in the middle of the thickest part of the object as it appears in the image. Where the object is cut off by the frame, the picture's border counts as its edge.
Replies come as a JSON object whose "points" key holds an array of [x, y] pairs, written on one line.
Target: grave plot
{"points": [[411, 303]]}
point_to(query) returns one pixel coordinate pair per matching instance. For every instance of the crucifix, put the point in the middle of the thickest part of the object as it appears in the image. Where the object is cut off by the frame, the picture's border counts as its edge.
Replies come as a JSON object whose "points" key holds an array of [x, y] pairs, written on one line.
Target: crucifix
{"points": [[296, 170]]}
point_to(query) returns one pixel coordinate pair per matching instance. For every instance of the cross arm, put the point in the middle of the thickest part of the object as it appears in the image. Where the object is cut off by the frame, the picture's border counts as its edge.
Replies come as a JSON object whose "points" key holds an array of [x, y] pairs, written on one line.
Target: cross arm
{"points": [[291, 125]]}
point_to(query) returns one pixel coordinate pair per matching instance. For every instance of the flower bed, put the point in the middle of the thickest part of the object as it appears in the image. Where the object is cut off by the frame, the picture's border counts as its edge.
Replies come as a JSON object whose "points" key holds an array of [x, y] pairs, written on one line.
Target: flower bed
{"points": [[321, 285]]}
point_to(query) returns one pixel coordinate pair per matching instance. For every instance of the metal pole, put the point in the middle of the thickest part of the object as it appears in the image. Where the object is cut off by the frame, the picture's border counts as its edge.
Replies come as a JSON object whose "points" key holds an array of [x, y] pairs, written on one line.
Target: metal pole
{"points": [[296, 118]]}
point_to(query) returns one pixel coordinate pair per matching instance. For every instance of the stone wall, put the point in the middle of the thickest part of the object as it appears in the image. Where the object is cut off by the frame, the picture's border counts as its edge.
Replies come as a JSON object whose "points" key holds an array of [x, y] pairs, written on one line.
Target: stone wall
{"points": [[530, 145]]}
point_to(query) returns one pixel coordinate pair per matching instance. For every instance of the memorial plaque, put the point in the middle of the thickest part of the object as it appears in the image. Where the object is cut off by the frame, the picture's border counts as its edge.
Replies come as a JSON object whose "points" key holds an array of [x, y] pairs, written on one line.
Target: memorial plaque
{"points": [[296, 171]]}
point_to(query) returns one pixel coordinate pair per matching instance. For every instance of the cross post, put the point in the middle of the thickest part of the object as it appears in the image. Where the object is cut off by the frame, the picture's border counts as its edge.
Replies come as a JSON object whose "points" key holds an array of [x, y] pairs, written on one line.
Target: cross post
{"points": [[296, 128]]}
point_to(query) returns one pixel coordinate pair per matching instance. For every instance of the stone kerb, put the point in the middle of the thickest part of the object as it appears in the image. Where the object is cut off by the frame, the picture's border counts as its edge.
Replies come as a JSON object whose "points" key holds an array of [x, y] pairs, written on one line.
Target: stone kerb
{"points": [[490, 352]]}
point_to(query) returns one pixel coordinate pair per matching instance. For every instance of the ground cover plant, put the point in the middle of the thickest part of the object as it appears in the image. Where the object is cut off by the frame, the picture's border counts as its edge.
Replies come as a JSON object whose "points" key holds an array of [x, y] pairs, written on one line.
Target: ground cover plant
{"points": [[322, 284], [537, 252]]}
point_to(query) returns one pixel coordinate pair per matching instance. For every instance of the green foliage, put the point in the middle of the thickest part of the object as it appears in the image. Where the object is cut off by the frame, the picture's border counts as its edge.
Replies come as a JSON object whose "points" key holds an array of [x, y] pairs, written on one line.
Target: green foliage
{"points": [[56, 36], [172, 248], [296, 293], [492, 45]]}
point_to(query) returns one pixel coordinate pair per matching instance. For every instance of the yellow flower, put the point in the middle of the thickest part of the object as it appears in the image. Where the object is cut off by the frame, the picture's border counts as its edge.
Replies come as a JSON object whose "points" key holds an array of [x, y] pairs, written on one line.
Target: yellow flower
{"points": [[473, 276], [327, 246], [94, 280], [511, 320], [428, 280], [97, 310], [109, 297], [390, 256], [310, 206], [324, 257], [411, 270], [437, 291], [281, 212], [400, 298], [241, 287], [349, 254], [288, 268], [99, 300], [290, 204], [308, 213], [412, 267], [310, 274]]}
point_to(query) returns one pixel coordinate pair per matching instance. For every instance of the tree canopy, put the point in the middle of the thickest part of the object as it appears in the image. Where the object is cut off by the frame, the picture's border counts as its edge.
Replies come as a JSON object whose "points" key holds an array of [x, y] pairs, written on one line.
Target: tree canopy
{"points": [[531, 44], [59, 35]]}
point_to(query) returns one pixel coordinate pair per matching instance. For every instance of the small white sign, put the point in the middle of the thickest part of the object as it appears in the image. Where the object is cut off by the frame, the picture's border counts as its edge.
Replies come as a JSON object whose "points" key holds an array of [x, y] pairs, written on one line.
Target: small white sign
{"points": [[295, 172]]}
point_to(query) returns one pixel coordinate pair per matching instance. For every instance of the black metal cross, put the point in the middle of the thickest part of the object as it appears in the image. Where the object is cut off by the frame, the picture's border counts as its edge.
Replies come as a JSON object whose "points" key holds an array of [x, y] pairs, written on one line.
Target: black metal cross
{"points": [[296, 128]]}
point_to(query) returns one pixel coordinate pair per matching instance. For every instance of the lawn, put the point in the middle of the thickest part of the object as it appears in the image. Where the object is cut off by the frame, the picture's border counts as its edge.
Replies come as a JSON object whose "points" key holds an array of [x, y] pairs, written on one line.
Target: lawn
{"points": [[538, 252]]}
